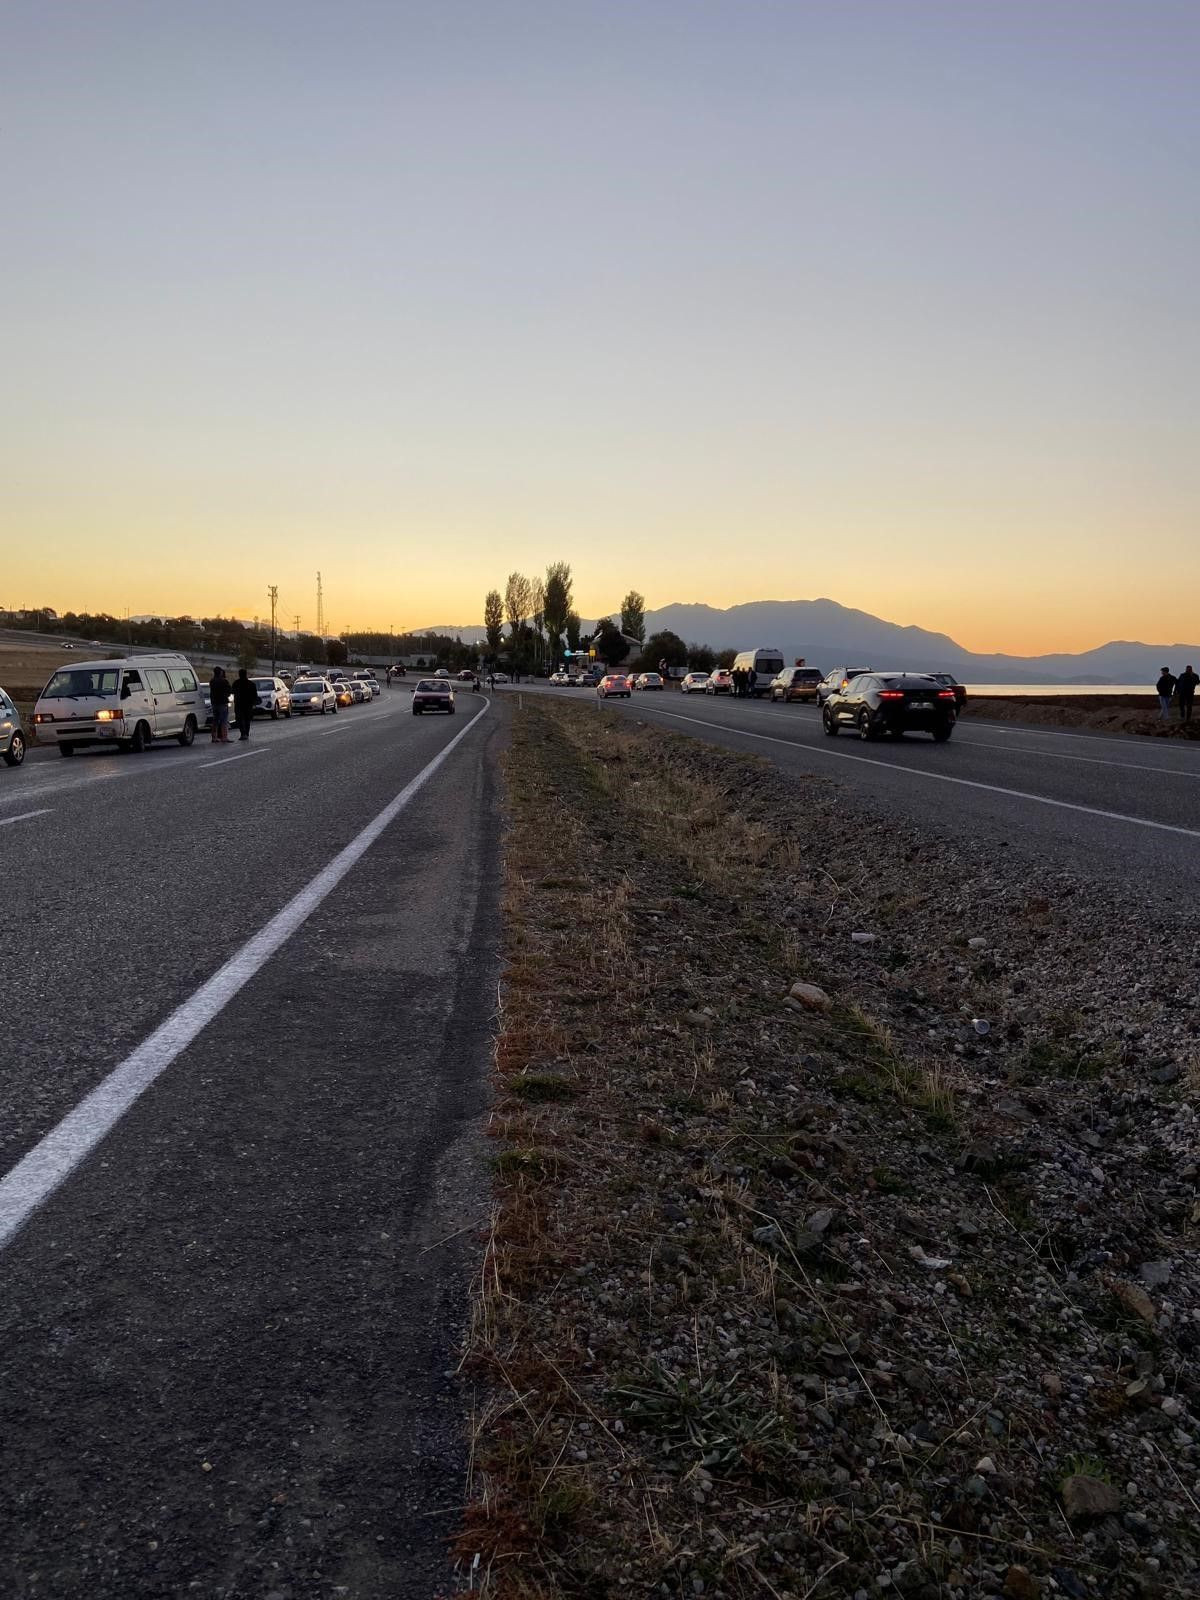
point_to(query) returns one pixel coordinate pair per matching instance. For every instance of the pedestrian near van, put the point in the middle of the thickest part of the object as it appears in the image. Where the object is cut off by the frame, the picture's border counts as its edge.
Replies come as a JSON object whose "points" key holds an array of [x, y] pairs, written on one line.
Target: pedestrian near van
{"points": [[751, 682], [245, 698], [220, 690], [1185, 691], [1165, 688]]}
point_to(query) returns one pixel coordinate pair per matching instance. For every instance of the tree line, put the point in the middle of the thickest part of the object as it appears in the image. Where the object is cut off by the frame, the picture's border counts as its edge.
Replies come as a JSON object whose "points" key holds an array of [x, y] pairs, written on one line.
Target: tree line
{"points": [[544, 625]]}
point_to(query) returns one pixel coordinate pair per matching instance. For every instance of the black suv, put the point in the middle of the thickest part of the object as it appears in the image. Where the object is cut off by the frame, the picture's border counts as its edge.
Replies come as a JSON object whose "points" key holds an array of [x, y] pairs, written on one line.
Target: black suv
{"points": [[874, 703]]}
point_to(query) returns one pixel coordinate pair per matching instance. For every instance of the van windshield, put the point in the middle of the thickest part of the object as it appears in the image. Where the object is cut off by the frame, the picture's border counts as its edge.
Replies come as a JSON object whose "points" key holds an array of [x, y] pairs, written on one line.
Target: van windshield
{"points": [[78, 683]]}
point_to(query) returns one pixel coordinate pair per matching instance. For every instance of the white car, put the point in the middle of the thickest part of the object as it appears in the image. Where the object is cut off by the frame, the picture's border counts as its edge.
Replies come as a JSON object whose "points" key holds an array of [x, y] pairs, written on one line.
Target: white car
{"points": [[559, 677], [274, 698], [694, 683], [499, 677]]}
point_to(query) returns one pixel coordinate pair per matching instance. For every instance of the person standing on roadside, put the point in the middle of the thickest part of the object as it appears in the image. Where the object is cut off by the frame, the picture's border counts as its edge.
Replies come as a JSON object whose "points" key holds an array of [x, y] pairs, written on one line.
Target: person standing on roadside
{"points": [[219, 692], [245, 698], [751, 682], [1185, 689], [1164, 689]]}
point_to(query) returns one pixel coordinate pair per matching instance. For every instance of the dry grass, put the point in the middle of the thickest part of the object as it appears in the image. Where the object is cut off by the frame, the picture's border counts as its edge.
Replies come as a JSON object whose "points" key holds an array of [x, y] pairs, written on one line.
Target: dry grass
{"points": [[622, 1059]]}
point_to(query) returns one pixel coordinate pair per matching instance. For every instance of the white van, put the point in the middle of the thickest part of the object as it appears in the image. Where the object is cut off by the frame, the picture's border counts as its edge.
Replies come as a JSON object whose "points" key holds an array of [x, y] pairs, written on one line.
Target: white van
{"points": [[128, 703], [766, 661]]}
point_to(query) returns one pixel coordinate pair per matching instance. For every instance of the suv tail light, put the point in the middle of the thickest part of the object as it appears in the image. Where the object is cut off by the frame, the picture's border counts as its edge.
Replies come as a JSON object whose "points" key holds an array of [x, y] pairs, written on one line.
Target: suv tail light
{"points": [[891, 694], [946, 694]]}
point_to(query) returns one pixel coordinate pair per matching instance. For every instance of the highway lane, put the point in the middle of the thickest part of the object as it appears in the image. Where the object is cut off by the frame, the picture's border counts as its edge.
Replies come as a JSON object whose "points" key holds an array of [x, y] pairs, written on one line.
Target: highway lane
{"points": [[1113, 806], [225, 1339]]}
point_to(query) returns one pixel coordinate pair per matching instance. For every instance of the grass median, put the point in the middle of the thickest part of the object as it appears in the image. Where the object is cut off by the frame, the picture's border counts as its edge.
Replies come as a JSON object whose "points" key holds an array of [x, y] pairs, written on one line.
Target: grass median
{"points": [[765, 1307]]}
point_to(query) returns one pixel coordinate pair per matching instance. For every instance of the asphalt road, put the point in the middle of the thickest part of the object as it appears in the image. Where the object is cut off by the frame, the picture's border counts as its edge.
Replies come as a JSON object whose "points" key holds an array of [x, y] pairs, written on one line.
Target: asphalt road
{"points": [[1122, 808], [227, 1335]]}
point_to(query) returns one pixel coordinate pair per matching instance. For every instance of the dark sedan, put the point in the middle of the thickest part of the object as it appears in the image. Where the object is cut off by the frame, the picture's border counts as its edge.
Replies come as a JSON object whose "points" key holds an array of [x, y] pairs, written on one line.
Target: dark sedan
{"points": [[874, 703], [948, 681], [433, 694]]}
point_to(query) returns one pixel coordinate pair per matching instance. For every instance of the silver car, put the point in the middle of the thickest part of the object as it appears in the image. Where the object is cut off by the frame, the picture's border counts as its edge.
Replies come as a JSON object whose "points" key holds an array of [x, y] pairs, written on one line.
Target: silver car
{"points": [[12, 734], [313, 694]]}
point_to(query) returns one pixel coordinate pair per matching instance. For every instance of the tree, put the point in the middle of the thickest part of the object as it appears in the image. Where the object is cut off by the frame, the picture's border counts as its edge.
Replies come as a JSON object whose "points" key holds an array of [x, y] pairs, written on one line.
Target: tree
{"points": [[701, 658], [610, 644], [336, 652], [665, 646], [516, 601], [633, 616], [572, 627], [247, 656], [726, 658], [493, 620], [556, 606]]}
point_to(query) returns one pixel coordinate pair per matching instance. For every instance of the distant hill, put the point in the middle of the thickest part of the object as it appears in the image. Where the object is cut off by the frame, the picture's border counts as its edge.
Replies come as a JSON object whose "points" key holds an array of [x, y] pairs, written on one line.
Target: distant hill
{"points": [[827, 635]]}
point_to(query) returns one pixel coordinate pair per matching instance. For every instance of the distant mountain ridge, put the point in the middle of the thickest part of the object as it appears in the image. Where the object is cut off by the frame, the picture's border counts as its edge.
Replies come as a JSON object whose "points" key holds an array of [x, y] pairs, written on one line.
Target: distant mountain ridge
{"points": [[828, 634]]}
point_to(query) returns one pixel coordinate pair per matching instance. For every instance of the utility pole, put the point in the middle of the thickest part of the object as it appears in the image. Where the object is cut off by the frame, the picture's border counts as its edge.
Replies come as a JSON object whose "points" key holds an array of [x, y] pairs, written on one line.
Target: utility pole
{"points": [[320, 609], [273, 596]]}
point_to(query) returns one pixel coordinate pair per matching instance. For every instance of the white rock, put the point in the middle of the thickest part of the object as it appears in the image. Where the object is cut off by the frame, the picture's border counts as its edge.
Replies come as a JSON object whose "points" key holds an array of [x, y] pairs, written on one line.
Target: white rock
{"points": [[809, 995], [863, 938]]}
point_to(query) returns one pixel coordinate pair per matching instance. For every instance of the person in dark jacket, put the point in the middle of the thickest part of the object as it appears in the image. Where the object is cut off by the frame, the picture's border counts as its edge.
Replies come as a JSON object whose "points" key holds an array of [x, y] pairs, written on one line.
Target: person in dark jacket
{"points": [[1164, 689], [245, 698], [219, 693], [1185, 691]]}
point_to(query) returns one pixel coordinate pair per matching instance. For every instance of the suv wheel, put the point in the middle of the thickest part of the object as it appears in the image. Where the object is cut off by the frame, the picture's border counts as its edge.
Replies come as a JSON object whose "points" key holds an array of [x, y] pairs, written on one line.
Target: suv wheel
{"points": [[828, 723], [865, 731], [15, 753]]}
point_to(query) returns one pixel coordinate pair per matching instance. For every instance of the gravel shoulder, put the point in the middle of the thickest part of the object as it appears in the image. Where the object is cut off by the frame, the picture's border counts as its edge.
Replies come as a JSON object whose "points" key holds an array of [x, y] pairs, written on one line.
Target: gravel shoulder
{"points": [[1098, 713], [847, 1219]]}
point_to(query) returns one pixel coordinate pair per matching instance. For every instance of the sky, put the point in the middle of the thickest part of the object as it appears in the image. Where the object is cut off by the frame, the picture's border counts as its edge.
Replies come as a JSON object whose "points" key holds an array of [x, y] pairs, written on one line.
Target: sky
{"points": [[892, 301]]}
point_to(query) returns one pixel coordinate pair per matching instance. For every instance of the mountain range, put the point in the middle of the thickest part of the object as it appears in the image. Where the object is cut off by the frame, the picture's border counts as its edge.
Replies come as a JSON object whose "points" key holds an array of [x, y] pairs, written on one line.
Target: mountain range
{"points": [[827, 635]]}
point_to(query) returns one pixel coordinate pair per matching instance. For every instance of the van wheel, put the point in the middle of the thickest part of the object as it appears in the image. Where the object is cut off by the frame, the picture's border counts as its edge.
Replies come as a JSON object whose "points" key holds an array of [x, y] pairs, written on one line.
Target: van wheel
{"points": [[140, 740], [15, 753], [188, 735], [66, 749]]}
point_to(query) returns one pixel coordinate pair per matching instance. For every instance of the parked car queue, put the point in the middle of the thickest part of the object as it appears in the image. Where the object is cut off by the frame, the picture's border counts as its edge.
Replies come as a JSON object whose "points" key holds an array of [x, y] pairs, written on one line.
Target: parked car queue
{"points": [[131, 703]]}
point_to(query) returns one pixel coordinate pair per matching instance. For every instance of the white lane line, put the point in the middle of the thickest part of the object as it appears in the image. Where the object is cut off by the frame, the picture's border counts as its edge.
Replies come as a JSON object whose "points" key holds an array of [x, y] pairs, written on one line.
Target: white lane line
{"points": [[25, 816], [938, 777], [1091, 761], [52, 1160], [338, 727], [224, 761], [1025, 749]]}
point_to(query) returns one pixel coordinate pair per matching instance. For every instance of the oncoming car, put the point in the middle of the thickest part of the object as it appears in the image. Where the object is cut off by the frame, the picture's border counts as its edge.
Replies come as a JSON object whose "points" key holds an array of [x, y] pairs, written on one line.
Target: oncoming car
{"points": [[433, 694], [343, 693], [897, 703], [127, 703], [613, 686]]}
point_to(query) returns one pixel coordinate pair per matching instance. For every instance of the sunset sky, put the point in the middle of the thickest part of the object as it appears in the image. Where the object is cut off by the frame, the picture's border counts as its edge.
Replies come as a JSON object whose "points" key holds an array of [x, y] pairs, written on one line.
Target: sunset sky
{"points": [[893, 301]]}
